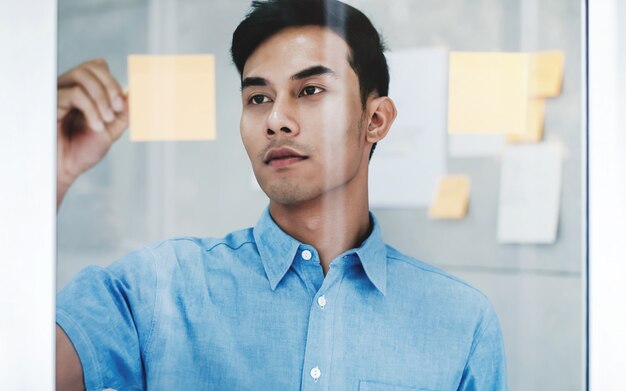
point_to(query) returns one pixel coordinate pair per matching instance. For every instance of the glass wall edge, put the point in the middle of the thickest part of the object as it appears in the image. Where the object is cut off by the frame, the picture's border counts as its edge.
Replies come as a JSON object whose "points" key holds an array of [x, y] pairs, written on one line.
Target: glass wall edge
{"points": [[584, 167]]}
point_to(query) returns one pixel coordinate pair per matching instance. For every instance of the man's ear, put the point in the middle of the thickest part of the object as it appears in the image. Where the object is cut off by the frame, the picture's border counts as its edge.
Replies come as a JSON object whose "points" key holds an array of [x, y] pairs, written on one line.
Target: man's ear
{"points": [[381, 113]]}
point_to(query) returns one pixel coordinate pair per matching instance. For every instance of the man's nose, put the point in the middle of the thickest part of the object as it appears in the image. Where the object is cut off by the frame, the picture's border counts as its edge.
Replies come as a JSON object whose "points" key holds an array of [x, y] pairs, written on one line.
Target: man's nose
{"points": [[281, 119]]}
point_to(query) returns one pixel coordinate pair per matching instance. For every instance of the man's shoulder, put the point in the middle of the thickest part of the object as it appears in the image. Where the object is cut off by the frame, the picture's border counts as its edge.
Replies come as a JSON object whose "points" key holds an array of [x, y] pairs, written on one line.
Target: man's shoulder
{"points": [[185, 244], [404, 269], [186, 250]]}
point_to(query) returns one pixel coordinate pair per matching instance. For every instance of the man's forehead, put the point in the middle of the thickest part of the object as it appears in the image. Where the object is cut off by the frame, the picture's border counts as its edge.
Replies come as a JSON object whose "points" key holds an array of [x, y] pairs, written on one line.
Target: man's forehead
{"points": [[296, 49]]}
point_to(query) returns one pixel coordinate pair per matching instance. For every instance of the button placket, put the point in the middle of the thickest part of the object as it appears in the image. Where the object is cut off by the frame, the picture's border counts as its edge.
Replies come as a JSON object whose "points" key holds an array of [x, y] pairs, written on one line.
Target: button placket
{"points": [[319, 343]]}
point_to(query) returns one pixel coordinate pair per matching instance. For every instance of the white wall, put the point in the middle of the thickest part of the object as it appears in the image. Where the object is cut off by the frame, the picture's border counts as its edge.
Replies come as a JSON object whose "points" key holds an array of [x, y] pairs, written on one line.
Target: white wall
{"points": [[27, 193], [607, 192]]}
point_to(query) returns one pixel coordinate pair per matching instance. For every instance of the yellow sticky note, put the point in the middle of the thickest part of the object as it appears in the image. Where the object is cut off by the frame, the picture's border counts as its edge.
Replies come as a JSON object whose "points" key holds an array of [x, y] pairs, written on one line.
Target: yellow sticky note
{"points": [[546, 74], [171, 97], [535, 123], [452, 198], [488, 93]]}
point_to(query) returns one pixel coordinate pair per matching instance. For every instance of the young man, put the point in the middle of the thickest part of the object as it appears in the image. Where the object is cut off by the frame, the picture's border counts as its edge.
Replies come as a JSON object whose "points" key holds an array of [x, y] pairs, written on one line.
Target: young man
{"points": [[310, 298]]}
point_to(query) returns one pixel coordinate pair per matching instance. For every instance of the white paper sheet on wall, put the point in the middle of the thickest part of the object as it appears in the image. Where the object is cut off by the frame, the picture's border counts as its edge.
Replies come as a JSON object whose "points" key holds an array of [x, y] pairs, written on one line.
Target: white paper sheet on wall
{"points": [[530, 191], [408, 163], [254, 184], [475, 145]]}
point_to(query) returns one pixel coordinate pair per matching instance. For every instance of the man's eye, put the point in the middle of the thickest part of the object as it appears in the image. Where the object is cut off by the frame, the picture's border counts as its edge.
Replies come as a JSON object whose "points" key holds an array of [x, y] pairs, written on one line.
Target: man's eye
{"points": [[310, 90], [258, 99]]}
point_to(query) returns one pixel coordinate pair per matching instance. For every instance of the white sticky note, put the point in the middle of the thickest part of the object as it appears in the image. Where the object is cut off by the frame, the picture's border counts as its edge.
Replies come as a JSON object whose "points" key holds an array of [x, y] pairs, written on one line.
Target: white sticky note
{"points": [[530, 191], [408, 163]]}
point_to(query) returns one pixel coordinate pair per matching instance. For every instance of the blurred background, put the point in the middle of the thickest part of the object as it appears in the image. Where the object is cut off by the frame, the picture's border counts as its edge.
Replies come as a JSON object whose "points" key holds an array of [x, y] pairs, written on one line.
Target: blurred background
{"points": [[143, 192]]}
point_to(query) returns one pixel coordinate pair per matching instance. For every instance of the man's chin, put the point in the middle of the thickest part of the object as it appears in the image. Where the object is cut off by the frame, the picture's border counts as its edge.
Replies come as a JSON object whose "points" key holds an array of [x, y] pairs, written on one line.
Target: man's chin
{"points": [[288, 194]]}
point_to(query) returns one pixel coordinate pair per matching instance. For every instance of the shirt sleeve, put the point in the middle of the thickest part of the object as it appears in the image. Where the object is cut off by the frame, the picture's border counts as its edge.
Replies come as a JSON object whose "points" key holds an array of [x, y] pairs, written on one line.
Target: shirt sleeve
{"points": [[486, 365], [108, 313]]}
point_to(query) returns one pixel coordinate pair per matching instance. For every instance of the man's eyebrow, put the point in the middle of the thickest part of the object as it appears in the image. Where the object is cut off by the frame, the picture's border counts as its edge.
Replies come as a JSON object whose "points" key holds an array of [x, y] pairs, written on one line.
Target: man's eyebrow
{"points": [[313, 71], [253, 81], [303, 74]]}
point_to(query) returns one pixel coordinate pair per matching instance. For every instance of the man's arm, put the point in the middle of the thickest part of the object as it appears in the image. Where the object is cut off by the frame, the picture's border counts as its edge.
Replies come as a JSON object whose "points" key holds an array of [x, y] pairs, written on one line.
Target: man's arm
{"points": [[92, 114], [486, 365], [69, 371]]}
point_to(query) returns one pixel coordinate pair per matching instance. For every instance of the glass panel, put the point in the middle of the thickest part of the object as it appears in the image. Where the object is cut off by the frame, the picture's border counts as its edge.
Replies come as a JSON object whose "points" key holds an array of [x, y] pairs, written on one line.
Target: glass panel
{"points": [[142, 192]]}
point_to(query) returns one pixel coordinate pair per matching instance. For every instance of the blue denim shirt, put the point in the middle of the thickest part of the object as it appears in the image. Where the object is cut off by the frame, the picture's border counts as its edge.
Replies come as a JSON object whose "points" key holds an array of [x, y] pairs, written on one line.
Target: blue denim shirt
{"points": [[253, 311]]}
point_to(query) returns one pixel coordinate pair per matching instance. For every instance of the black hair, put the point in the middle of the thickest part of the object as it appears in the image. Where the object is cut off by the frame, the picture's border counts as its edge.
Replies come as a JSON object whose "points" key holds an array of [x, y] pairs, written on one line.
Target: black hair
{"points": [[366, 56]]}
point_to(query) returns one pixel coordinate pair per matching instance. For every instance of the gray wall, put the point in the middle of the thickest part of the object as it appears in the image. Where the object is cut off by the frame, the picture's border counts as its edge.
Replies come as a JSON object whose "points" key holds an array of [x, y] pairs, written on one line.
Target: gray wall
{"points": [[143, 192]]}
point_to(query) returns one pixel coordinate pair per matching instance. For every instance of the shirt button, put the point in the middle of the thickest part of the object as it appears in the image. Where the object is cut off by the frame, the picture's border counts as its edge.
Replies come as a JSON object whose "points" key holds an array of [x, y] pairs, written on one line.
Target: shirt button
{"points": [[316, 373], [306, 255], [321, 301]]}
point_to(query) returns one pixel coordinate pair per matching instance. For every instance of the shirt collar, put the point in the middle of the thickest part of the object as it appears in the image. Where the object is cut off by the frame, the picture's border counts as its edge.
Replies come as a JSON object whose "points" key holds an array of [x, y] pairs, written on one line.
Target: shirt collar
{"points": [[373, 256], [278, 250], [276, 247]]}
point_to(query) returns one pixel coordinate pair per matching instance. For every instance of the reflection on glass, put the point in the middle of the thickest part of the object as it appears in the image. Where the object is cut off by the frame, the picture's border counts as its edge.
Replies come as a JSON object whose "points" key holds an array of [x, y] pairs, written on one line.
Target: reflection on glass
{"points": [[262, 308]]}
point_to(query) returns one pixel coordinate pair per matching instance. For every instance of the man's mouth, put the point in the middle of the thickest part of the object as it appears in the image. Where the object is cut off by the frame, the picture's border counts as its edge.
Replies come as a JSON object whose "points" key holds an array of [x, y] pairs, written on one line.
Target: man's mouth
{"points": [[283, 157]]}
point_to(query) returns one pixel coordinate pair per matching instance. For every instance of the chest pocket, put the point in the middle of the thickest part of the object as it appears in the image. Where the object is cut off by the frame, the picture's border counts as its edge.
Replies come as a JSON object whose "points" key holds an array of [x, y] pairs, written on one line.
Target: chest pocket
{"points": [[376, 386]]}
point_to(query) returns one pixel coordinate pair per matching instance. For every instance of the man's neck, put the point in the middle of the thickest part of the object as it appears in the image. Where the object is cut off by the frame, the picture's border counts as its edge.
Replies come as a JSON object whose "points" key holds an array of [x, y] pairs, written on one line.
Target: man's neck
{"points": [[332, 223]]}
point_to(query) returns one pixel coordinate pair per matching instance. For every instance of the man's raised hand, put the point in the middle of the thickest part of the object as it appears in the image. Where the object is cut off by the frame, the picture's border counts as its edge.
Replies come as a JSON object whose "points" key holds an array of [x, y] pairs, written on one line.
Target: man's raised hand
{"points": [[92, 113]]}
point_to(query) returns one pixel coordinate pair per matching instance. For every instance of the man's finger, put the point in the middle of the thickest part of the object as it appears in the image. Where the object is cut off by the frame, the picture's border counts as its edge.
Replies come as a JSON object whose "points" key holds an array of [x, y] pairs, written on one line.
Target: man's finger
{"points": [[96, 90], [77, 98], [117, 128], [115, 92], [68, 79]]}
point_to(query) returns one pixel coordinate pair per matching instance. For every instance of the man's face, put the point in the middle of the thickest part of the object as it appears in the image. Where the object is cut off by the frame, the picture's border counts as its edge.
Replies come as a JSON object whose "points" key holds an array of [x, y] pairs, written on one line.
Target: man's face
{"points": [[302, 122]]}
